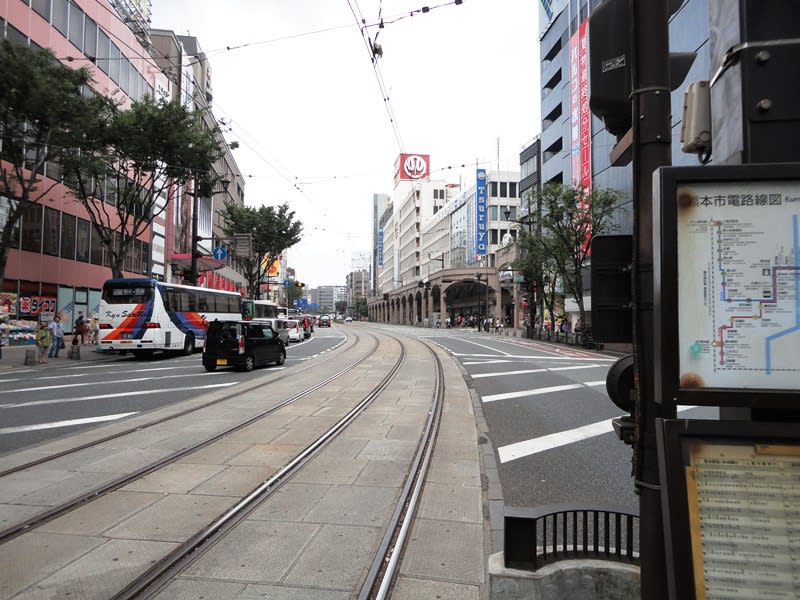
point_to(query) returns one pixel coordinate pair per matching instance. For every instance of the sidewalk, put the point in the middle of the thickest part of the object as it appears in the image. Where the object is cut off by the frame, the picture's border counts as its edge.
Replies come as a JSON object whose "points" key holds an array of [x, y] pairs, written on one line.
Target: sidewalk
{"points": [[14, 356]]}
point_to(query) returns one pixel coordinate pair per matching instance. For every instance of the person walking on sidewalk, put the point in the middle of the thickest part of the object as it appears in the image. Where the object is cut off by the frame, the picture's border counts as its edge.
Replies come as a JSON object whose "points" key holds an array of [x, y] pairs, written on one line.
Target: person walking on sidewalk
{"points": [[43, 341], [57, 331], [80, 328]]}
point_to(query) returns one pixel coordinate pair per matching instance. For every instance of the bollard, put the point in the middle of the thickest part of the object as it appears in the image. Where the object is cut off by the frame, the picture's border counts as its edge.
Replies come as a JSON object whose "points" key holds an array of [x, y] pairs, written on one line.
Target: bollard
{"points": [[30, 357], [74, 352]]}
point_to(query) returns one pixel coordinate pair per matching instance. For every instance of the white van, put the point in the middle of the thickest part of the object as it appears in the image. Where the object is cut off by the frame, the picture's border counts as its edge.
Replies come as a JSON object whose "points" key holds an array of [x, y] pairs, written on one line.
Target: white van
{"points": [[280, 325]]}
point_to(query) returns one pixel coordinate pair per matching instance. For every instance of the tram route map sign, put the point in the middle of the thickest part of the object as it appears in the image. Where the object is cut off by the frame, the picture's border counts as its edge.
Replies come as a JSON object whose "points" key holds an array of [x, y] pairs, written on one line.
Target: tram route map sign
{"points": [[739, 284]]}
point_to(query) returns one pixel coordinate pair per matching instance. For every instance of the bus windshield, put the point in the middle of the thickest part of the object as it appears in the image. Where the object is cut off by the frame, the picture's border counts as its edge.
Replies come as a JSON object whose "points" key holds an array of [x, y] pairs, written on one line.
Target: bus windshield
{"points": [[125, 293]]}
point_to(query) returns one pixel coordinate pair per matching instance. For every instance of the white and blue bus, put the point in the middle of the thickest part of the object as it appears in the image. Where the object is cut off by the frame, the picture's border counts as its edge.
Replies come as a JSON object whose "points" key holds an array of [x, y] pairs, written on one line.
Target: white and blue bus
{"points": [[267, 309], [145, 315]]}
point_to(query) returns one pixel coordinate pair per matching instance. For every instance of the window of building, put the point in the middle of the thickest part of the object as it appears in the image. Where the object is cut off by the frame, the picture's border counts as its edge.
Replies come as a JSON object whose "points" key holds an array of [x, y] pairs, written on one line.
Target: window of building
{"points": [[103, 52], [96, 253], [76, 26], [90, 38], [83, 240], [512, 189], [504, 189], [68, 236], [60, 16], [42, 8], [493, 189], [5, 210], [32, 228], [52, 231], [114, 63], [15, 35], [493, 236]]}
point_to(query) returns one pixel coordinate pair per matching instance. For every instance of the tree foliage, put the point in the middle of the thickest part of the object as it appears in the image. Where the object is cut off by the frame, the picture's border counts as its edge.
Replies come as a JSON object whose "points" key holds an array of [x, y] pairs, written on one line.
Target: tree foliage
{"points": [[570, 216], [44, 114], [273, 230], [135, 156]]}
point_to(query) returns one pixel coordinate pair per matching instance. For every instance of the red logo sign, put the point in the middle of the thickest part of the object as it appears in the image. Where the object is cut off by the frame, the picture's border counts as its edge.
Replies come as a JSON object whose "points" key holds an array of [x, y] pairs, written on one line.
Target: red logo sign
{"points": [[412, 167]]}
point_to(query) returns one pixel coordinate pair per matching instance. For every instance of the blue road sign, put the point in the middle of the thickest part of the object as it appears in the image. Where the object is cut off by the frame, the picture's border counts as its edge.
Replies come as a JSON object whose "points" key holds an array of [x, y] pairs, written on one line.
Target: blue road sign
{"points": [[219, 253], [287, 283]]}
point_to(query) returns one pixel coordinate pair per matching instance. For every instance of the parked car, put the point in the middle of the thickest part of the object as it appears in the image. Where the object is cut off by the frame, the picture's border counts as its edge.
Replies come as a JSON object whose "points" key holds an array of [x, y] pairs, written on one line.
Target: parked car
{"points": [[242, 344], [348, 319], [324, 321], [293, 331], [278, 325]]}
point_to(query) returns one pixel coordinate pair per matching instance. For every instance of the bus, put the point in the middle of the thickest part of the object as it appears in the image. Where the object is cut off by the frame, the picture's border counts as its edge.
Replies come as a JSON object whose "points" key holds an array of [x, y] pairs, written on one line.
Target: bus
{"points": [[267, 309], [145, 315]]}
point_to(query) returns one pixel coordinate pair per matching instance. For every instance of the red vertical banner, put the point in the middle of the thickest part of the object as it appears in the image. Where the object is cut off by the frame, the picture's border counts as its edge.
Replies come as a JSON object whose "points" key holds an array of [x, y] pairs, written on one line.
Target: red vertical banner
{"points": [[585, 115]]}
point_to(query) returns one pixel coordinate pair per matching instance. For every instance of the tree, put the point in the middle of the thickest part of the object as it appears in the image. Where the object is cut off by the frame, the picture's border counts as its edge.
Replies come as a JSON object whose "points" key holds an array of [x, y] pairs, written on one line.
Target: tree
{"points": [[133, 158], [361, 306], [273, 230], [341, 307], [570, 217], [43, 116], [540, 270]]}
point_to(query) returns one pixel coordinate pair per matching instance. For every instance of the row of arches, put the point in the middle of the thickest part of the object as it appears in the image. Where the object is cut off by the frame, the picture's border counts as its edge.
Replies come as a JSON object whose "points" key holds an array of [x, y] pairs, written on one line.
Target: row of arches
{"points": [[458, 294]]}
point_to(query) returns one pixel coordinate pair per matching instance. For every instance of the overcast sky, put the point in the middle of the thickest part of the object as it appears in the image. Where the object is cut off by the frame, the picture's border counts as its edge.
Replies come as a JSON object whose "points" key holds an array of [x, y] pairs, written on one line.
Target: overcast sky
{"points": [[296, 87]]}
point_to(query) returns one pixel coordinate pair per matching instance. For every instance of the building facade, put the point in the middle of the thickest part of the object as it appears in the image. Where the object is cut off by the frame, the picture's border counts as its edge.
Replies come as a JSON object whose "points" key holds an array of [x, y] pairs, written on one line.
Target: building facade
{"points": [[56, 262]]}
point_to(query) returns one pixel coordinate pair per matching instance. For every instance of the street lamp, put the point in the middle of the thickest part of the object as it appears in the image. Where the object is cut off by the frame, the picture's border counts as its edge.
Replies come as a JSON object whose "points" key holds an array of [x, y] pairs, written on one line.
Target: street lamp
{"points": [[195, 237]]}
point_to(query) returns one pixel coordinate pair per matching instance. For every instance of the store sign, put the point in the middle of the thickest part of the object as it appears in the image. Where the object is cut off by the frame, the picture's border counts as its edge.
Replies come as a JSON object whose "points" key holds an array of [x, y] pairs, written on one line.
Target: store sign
{"points": [[37, 305], [481, 220], [412, 167]]}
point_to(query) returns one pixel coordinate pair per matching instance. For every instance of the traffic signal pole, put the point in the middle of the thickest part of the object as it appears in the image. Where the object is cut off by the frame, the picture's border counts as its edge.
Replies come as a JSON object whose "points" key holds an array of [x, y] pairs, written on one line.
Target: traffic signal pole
{"points": [[651, 149]]}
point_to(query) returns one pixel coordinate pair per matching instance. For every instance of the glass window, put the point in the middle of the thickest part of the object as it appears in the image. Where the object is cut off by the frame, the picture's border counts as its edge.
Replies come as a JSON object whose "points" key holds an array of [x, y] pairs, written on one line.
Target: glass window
{"points": [[136, 267], [5, 209], [504, 189], [125, 293], [67, 236], [42, 7], [512, 189], [52, 231], [124, 75], [83, 241], [76, 26], [96, 255], [61, 15], [145, 258], [493, 213], [103, 51], [32, 228], [114, 63], [90, 38], [15, 35], [493, 189], [493, 236]]}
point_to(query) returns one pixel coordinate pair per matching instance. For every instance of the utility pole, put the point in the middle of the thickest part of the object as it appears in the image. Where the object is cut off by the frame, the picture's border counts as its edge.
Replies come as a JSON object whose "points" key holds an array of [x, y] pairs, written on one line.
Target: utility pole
{"points": [[651, 149]]}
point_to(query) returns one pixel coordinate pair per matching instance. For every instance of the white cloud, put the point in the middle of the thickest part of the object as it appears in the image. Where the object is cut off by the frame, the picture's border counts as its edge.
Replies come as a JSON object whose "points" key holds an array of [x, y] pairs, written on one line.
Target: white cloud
{"points": [[295, 81]]}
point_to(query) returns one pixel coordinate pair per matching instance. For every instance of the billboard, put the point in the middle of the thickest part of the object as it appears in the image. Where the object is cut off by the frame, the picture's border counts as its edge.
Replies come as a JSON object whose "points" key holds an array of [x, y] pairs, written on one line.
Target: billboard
{"points": [[412, 167], [481, 220], [580, 117]]}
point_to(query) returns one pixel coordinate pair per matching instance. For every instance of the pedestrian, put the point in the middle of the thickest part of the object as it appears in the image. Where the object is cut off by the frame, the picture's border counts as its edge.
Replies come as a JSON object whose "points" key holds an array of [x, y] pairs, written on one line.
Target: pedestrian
{"points": [[80, 328], [4, 329], [57, 333], [94, 330], [43, 341]]}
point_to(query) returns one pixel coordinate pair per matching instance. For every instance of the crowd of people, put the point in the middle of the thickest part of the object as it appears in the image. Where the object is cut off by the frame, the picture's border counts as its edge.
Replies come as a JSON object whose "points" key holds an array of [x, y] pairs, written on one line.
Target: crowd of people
{"points": [[50, 337]]}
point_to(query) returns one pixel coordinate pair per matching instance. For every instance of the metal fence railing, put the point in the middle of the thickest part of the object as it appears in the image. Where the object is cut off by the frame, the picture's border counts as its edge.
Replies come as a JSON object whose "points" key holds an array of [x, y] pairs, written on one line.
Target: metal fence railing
{"points": [[539, 536]]}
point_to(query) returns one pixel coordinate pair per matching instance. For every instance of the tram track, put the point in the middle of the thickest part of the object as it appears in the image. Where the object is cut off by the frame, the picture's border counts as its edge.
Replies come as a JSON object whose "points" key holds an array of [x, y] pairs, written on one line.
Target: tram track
{"points": [[153, 577], [63, 508]]}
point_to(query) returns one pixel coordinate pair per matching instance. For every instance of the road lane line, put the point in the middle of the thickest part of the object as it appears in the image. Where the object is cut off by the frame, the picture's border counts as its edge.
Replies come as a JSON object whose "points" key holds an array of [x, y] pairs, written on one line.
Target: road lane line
{"points": [[562, 438], [500, 374], [71, 423], [119, 395], [523, 393]]}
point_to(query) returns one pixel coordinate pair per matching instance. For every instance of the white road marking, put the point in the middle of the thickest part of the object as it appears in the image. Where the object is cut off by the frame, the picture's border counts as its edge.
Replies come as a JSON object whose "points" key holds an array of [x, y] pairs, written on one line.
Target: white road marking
{"points": [[555, 440], [87, 383], [523, 393], [71, 423], [526, 371], [529, 357], [119, 395]]}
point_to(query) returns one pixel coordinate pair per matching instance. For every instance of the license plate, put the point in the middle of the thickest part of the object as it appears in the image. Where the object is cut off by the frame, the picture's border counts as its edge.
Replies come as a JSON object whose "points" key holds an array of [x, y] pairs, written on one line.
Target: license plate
{"points": [[127, 336], [125, 341], [222, 361]]}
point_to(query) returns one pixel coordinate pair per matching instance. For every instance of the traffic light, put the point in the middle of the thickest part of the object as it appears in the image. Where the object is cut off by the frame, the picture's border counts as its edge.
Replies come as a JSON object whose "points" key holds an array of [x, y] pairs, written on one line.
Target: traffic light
{"points": [[610, 63], [299, 284]]}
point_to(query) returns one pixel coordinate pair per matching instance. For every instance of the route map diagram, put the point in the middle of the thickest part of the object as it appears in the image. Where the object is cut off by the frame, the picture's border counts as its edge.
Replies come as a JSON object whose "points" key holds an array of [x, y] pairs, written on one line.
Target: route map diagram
{"points": [[739, 285]]}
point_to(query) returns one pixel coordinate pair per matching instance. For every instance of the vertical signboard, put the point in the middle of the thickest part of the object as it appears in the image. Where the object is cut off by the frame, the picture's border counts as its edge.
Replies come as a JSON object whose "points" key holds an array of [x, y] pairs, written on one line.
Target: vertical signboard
{"points": [[481, 221], [580, 116], [380, 247]]}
